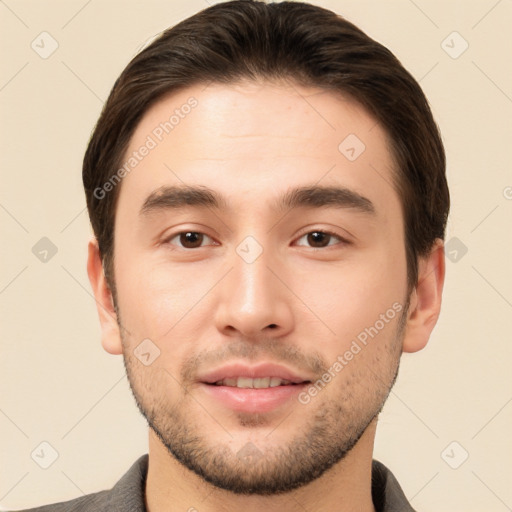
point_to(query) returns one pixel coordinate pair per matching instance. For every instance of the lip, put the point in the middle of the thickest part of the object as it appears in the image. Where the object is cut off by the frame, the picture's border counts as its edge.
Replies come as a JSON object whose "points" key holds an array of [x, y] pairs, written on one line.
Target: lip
{"points": [[254, 372], [252, 400], [259, 400]]}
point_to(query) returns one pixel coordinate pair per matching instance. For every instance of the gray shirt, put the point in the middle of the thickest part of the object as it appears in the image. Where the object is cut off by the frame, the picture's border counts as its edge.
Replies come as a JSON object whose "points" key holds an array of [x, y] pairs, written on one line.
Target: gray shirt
{"points": [[128, 494]]}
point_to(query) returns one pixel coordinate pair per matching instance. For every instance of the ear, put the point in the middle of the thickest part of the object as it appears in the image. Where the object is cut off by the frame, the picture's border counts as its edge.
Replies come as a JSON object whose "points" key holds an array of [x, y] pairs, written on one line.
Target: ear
{"points": [[425, 304], [110, 335]]}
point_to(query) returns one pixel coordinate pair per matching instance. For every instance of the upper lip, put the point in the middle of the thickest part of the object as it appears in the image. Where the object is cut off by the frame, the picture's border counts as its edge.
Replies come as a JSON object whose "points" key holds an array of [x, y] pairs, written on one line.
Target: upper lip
{"points": [[253, 372]]}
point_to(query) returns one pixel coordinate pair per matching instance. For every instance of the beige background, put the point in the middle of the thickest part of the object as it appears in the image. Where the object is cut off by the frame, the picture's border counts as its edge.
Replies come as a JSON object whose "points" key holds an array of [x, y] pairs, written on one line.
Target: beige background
{"points": [[57, 383]]}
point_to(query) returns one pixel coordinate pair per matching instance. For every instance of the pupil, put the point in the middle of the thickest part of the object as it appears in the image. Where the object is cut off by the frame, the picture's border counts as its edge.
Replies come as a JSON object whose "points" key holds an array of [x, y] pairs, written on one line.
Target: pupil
{"points": [[191, 237], [315, 239]]}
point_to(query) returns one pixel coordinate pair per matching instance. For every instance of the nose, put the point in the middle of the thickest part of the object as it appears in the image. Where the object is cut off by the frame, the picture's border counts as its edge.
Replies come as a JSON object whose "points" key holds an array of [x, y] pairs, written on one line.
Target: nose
{"points": [[253, 299]]}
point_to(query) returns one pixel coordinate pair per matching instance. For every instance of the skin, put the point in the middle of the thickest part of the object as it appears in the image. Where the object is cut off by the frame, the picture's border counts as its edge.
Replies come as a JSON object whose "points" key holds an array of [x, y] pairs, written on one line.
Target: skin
{"points": [[206, 306]]}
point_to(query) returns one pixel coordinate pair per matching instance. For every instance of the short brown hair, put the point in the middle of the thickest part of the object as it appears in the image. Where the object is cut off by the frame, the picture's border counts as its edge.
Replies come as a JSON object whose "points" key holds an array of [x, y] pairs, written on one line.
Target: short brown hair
{"points": [[309, 45]]}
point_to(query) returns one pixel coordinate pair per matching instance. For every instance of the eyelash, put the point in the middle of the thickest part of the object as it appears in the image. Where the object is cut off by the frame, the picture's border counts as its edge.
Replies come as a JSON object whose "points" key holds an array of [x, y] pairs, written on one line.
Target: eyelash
{"points": [[342, 240]]}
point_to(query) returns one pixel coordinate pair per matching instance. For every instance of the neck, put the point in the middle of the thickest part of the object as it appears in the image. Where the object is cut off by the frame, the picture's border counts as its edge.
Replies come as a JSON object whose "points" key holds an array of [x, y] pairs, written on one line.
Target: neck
{"points": [[171, 487]]}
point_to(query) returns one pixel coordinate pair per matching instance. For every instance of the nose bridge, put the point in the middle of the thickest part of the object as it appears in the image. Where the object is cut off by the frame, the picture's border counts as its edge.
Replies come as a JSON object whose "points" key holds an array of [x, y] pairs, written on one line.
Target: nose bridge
{"points": [[255, 284], [253, 278], [253, 298]]}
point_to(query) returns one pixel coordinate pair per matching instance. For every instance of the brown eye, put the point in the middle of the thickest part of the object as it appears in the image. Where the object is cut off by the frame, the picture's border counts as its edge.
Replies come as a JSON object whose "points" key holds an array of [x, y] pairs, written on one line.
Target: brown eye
{"points": [[188, 239], [320, 239], [191, 239]]}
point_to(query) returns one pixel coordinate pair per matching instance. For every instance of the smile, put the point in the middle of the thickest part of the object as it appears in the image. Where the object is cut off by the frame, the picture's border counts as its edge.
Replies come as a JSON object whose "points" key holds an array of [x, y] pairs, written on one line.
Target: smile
{"points": [[259, 383]]}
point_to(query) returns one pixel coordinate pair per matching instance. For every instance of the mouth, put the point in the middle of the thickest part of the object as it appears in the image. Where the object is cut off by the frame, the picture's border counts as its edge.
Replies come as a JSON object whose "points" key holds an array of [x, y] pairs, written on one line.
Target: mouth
{"points": [[256, 383], [260, 376], [257, 389]]}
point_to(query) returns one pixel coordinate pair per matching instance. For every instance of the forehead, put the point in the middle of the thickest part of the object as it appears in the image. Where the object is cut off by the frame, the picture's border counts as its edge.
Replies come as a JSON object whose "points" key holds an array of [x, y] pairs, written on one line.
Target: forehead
{"points": [[251, 139]]}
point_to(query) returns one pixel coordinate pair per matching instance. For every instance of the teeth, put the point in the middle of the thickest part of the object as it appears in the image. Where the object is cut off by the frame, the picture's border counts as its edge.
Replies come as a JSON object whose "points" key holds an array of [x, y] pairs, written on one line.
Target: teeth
{"points": [[247, 382], [257, 383], [276, 381]]}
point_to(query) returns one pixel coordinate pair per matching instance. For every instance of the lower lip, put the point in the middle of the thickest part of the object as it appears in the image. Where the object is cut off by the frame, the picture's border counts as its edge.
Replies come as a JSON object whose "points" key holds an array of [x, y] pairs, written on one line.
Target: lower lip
{"points": [[253, 400]]}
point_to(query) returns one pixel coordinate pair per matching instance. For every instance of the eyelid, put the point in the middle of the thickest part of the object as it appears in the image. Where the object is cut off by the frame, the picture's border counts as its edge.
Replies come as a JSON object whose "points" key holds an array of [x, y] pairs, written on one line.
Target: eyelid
{"points": [[343, 240], [167, 239]]}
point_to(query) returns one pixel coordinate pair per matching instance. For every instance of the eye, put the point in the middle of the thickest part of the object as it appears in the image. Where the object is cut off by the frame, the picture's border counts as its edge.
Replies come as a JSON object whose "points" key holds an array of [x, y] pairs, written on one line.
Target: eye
{"points": [[188, 239], [319, 239]]}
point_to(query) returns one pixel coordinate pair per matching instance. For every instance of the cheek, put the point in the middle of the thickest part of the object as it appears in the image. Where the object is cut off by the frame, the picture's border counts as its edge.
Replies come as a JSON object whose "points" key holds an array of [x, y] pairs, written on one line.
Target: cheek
{"points": [[362, 305], [155, 298], [351, 295]]}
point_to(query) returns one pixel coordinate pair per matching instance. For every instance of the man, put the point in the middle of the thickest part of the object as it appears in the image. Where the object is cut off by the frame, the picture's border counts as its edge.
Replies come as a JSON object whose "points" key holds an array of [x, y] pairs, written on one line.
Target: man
{"points": [[267, 190]]}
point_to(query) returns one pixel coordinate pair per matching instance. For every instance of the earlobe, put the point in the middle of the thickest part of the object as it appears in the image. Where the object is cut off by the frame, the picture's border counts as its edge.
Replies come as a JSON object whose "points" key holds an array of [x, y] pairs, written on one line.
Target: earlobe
{"points": [[110, 334], [426, 298]]}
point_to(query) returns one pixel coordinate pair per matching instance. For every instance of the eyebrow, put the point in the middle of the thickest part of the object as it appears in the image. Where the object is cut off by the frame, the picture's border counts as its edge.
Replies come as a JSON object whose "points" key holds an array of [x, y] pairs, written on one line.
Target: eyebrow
{"points": [[321, 196], [181, 196], [174, 197]]}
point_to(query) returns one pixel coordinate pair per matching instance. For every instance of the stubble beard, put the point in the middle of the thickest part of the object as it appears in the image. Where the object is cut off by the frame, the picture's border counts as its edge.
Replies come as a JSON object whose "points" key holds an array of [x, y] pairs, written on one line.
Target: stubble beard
{"points": [[261, 467]]}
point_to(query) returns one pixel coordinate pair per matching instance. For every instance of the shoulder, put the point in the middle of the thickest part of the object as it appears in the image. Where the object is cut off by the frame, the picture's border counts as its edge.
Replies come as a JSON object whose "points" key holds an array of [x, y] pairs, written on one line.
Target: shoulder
{"points": [[127, 494], [387, 494], [84, 503]]}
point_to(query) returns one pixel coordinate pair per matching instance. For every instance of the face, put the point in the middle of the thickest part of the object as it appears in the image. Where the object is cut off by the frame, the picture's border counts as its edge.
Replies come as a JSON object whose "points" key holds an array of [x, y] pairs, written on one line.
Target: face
{"points": [[258, 237]]}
